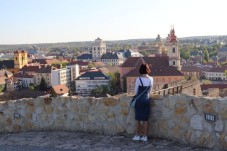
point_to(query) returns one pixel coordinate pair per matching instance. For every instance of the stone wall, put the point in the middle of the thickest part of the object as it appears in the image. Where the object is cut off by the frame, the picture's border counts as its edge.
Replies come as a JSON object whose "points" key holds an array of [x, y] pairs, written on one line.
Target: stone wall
{"points": [[177, 117]]}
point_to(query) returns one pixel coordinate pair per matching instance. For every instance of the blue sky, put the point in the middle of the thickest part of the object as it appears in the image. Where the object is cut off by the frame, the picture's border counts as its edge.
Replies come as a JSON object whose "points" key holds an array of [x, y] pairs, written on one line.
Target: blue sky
{"points": [[44, 21]]}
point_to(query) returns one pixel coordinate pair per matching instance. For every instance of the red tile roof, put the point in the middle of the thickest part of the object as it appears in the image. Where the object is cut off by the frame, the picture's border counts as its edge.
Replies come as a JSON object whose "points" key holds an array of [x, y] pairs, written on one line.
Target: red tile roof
{"points": [[46, 69], [218, 69], [19, 75], [30, 68], [60, 89], [190, 69], [20, 51], [154, 61], [156, 71], [207, 86], [80, 63]]}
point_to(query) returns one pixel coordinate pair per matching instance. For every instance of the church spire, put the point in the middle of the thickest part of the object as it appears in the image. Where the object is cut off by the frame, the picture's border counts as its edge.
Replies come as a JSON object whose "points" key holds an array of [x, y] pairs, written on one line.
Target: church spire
{"points": [[172, 37]]}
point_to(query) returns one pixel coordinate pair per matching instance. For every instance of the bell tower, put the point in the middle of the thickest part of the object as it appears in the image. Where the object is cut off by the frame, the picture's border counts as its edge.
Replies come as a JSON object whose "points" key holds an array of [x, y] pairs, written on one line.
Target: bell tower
{"points": [[20, 59], [172, 45]]}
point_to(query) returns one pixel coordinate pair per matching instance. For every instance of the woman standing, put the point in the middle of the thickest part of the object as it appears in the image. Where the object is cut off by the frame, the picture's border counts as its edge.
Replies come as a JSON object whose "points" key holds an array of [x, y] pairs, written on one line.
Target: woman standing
{"points": [[144, 85]]}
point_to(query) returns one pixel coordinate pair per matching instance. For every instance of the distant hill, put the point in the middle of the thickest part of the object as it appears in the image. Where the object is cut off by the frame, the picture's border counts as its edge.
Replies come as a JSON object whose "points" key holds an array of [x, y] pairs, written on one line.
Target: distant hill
{"points": [[89, 43], [203, 37]]}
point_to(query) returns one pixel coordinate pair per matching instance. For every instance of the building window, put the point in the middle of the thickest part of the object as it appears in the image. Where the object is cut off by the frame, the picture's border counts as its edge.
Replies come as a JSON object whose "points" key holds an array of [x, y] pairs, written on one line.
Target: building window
{"points": [[173, 62], [174, 50]]}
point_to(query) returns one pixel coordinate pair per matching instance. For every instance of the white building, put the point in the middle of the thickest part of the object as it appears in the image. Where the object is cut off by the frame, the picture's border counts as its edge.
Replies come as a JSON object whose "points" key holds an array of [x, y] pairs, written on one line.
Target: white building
{"points": [[98, 49], [25, 79], [73, 72], [113, 58], [216, 73], [58, 76], [89, 81], [65, 75]]}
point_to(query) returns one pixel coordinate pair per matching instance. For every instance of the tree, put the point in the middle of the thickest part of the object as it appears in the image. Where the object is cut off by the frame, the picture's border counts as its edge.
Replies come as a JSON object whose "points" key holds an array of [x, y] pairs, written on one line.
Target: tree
{"points": [[59, 64], [206, 55], [226, 73], [99, 91], [91, 65], [126, 46], [114, 82], [43, 85], [185, 55]]}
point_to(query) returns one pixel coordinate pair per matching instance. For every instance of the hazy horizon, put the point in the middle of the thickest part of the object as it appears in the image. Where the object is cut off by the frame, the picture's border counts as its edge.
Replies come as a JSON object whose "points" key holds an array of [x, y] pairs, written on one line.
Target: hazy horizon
{"points": [[57, 21]]}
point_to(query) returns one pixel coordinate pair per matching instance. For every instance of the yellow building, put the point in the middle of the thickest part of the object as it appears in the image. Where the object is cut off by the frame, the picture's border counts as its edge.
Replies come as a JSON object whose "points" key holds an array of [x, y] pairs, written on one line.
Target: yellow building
{"points": [[20, 60]]}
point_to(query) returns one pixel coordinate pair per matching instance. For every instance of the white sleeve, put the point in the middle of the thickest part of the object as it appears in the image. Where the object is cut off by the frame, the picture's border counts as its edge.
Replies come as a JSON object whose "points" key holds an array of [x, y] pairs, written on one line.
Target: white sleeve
{"points": [[137, 85], [152, 83]]}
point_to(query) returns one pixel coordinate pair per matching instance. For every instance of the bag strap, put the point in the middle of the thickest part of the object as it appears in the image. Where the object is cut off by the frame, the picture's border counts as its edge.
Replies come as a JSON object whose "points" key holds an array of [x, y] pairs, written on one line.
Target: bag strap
{"points": [[140, 93], [141, 81]]}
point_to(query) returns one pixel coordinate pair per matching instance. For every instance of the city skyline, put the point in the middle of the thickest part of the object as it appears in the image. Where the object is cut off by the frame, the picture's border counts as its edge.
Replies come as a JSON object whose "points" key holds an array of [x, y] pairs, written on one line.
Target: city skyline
{"points": [[52, 21]]}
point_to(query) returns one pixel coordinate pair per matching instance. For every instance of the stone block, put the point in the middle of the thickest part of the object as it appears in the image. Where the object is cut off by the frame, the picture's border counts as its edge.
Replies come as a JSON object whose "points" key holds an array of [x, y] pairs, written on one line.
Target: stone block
{"points": [[59, 122], [8, 111], [84, 109], [75, 108], [110, 101], [28, 116], [28, 125], [223, 140], [196, 122], [170, 104], [208, 108], [91, 118], [187, 136], [181, 102], [9, 121], [16, 127], [47, 101], [124, 112], [223, 113], [155, 97], [1, 117], [68, 105], [39, 110], [198, 133], [124, 104], [30, 103], [219, 126], [48, 109], [180, 110], [110, 116], [176, 131], [208, 126], [205, 140]]}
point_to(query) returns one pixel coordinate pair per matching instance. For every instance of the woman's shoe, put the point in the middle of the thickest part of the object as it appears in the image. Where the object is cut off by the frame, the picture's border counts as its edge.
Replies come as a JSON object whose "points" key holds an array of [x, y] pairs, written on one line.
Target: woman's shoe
{"points": [[136, 138], [144, 139]]}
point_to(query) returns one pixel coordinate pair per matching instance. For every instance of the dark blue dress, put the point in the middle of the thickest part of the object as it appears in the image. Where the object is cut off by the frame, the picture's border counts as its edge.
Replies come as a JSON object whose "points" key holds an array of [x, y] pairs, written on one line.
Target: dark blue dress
{"points": [[142, 106]]}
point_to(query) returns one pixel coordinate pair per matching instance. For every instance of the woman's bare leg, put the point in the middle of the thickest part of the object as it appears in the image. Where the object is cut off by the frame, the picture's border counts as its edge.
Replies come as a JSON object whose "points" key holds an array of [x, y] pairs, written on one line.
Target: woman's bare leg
{"points": [[138, 127], [146, 128]]}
